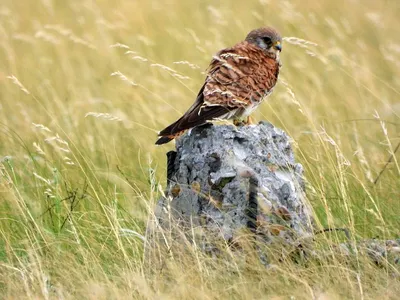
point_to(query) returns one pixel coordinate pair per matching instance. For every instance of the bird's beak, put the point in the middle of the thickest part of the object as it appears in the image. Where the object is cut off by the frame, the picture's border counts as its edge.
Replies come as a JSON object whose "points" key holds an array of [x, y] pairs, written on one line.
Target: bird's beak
{"points": [[278, 45]]}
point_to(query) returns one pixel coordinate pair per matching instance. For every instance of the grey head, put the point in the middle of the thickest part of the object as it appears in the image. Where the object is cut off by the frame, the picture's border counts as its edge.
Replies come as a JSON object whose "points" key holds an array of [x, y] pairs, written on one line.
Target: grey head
{"points": [[268, 39]]}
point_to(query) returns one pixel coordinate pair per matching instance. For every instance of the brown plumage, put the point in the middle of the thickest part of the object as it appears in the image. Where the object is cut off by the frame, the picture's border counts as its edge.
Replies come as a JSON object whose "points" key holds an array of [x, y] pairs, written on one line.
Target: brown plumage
{"points": [[237, 81]]}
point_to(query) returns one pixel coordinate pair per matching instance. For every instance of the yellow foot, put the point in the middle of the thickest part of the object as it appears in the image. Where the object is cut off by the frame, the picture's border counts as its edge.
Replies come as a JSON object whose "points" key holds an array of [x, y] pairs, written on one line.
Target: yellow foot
{"points": [[249, 120], [237, 122], [240, 122]]}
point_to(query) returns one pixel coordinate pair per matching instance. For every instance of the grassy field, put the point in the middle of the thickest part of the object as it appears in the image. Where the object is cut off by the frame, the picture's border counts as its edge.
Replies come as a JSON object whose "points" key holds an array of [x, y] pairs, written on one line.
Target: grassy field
{"points": [[84, 88]]}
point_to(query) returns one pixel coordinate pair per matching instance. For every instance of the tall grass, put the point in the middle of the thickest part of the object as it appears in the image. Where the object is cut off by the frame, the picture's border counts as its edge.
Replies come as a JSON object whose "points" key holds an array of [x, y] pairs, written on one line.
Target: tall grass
{"points": [[86, 85]]}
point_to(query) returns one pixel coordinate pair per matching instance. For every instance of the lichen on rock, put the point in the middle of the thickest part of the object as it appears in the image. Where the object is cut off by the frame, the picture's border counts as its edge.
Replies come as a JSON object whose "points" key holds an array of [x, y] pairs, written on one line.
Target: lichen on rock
{"points": [[224, 179]]}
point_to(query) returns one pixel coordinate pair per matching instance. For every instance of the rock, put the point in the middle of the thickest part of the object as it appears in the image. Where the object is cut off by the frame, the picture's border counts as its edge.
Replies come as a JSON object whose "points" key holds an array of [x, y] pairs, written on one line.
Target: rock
{"points": [[381, 252], [224, 179]]}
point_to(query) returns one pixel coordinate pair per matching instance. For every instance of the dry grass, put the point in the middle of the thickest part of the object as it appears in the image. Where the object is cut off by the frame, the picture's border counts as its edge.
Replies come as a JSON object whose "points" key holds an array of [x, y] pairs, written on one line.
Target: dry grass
{"points": [[85, 86]]}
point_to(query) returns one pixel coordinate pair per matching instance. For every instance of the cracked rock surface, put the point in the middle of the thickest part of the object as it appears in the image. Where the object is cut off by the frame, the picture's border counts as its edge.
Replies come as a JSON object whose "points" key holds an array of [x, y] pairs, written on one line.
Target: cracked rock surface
{"points": [[223, 179]]}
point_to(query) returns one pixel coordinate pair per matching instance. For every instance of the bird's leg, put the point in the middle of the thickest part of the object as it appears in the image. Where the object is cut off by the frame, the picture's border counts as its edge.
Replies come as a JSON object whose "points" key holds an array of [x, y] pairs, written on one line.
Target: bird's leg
{"points": [[249, 121]]}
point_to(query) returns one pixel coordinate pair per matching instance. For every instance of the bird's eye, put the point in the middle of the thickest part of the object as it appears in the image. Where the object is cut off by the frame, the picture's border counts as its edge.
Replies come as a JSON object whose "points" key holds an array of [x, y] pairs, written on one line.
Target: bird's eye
{"points": [[267, 40]]}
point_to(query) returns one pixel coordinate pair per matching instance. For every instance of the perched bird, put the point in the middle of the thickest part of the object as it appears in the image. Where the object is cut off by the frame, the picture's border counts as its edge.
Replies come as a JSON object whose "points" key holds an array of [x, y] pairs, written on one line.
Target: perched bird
{"points": [[237, 81]]}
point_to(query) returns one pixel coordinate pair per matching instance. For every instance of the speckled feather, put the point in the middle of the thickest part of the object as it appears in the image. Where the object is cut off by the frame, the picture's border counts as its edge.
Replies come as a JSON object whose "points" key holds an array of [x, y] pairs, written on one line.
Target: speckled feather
{"points": [[240, 76], [237, 81]]}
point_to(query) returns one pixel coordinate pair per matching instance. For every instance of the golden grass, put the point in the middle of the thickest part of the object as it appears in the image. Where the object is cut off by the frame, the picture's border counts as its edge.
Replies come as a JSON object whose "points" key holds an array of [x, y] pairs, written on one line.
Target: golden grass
{"points": [[85, 86]]}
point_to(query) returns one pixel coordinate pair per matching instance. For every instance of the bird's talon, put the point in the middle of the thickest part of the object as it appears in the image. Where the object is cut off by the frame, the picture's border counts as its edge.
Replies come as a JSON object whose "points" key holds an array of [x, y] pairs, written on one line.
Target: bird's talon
{"points": [[239, 122]]}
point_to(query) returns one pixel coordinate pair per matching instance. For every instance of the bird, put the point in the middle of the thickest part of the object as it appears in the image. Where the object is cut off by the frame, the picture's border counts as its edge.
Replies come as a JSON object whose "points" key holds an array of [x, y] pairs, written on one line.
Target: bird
{"points": [[238, 79]]}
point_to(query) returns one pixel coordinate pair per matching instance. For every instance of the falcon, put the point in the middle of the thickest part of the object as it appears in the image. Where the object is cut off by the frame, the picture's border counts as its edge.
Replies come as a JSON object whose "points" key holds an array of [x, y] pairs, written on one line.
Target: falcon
{"points": [[238, 80]]}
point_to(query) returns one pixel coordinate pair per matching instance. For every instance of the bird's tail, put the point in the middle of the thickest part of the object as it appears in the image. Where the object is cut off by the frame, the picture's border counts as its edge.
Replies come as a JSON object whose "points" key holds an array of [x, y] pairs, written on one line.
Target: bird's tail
{"points": [[197, 115], [163, 139], [171, 132], [191, 119], [174, 130]]}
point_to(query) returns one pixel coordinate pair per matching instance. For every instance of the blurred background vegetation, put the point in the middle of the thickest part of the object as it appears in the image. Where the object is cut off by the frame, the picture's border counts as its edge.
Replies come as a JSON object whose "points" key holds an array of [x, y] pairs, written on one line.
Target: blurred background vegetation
{"points": [[84, 88]]}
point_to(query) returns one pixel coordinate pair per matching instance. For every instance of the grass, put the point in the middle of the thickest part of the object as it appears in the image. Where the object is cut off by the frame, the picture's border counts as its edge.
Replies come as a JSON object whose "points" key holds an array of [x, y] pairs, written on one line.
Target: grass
{"points": [[85, 86]]}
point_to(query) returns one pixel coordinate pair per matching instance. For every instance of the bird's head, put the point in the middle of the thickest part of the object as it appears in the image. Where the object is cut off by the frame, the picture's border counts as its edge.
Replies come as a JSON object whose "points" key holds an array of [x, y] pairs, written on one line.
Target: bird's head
{"points": [[268, 39]]}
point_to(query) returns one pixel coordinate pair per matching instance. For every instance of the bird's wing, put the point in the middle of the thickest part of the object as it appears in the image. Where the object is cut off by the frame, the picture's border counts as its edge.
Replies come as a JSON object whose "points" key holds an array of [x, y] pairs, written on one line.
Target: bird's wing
{"points": [[239, 76]]}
